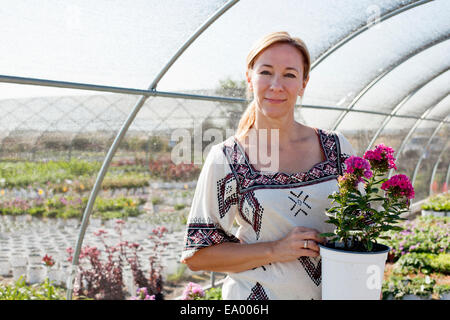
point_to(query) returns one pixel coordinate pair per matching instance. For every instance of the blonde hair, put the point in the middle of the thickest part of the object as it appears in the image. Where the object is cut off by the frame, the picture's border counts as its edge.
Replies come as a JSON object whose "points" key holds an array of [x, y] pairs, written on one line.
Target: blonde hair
{"points": [[248, 117]]}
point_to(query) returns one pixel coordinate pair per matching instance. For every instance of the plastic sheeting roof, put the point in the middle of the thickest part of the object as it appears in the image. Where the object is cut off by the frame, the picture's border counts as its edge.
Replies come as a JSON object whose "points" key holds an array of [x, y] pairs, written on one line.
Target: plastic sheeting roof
{"points": [[380, 68]]}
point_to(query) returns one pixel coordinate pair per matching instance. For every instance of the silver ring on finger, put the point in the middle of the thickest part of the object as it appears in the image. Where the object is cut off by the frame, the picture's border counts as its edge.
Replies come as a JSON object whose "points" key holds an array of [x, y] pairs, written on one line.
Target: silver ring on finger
{"points": [[305, 245]]}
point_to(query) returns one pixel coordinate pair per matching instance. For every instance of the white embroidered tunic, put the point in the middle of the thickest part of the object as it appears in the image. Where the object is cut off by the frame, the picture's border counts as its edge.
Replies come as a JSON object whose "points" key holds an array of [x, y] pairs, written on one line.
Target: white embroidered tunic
{"points": [[266, 207]]}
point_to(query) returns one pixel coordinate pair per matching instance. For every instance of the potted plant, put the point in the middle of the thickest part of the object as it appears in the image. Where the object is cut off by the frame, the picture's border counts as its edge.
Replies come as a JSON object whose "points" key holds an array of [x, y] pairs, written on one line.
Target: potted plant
{"points": [[437, 206], [352, 260], [155, 204], [52, 272]]}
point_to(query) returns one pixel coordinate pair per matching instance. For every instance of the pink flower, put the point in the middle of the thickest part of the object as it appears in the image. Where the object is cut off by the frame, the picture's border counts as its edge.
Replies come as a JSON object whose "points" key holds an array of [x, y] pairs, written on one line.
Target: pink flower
{"points": [[134, 245], [70, 252], [100, 232], [142, 294], [48, 260], [359, 167], [399, 186], [192, 291], [159, 231], [381, 158], [87, 251]]}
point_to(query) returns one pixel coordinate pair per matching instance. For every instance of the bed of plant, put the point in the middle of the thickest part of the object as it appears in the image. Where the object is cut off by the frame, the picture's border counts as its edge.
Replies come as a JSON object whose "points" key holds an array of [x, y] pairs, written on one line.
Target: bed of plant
{"points": [[440, 202], [79, 175], [21, 291], [397, 287], [419, 262], [194, 291], [72, 207], [101, 270]]}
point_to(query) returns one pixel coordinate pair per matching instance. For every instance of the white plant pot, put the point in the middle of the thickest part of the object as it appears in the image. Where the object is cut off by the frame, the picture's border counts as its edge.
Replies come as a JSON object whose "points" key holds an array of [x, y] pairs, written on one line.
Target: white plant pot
{"points": [[35, 274], [5, 267], [64, 274], [172, 265], [350, 275], [19, 271], [439, 213], [34, 258], [53, 274], [95, 222], [445, 296], [18, 261], [426, 213], [129, 281]]}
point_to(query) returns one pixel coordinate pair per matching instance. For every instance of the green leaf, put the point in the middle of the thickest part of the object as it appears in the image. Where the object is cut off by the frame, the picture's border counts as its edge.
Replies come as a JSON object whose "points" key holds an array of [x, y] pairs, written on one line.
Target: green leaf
{"points": [[376, 199], [324, 235]]}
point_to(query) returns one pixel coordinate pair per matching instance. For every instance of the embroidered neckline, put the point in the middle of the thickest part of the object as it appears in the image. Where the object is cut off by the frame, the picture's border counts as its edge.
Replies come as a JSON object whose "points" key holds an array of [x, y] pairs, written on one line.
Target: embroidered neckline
{"points": [[319, 133], [248, 178]]}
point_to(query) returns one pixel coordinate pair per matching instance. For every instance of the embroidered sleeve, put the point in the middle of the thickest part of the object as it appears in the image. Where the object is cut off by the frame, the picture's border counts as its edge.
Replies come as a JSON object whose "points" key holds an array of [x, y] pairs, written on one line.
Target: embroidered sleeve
{"points": [[346, 150], [214, 205]]}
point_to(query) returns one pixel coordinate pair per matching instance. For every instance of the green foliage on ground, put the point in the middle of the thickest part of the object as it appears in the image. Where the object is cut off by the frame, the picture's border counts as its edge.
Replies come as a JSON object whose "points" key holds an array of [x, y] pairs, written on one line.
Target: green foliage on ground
{"points": [[22, 291], [420, 259], [440, 202]]}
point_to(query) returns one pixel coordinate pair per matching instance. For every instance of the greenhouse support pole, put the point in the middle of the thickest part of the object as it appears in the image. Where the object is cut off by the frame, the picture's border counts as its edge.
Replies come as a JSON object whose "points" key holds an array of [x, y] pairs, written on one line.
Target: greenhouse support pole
{"points": [[447, 176], [413, 128], [174, 95], [435, 168], [112, 150], [419, 162]]}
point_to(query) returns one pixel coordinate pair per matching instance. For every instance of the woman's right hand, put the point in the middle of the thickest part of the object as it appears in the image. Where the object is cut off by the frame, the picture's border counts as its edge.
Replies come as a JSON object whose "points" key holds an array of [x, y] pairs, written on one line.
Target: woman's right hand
{"points": [[292, 246]]}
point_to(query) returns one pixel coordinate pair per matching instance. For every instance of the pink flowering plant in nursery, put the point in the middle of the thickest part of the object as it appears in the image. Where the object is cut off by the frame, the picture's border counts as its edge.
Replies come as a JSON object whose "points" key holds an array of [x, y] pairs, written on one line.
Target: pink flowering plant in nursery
{"points": [[142, 294], [367, 203], [193, 291], [102, 279]]}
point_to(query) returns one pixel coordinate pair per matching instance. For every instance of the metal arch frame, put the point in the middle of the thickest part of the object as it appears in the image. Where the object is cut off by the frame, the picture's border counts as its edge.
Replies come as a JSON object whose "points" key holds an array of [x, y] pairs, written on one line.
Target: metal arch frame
{"points": [[419, 162], [436, 166], [383, 74], [363, 29], [401, 104], [167, 94], [447, 176], [414, 127], [122, 132]]}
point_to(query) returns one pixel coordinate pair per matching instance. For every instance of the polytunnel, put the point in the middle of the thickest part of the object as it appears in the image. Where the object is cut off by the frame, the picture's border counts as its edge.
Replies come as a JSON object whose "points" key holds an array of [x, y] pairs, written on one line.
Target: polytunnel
{"points": [[109, 82]]}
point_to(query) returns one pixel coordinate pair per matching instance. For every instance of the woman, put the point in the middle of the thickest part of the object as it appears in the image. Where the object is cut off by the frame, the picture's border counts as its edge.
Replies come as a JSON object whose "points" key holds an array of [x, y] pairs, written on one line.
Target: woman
{"points": [[280, 213]]}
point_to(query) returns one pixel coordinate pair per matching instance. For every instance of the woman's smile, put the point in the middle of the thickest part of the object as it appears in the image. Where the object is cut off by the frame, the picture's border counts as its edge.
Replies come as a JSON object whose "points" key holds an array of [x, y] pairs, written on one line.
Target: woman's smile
{"points": [[275, 101]]}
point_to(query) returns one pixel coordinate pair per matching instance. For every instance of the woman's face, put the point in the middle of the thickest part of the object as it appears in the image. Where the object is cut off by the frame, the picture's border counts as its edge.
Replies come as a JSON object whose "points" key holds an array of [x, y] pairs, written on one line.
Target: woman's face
{"points": [[277, 79]]}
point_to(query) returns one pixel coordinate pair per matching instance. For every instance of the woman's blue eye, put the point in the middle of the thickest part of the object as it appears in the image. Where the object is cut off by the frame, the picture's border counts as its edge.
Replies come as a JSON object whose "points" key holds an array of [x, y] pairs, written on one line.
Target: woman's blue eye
{"points": [[265, 72], [290, 75]]}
